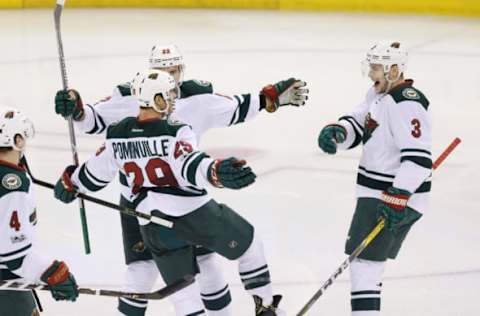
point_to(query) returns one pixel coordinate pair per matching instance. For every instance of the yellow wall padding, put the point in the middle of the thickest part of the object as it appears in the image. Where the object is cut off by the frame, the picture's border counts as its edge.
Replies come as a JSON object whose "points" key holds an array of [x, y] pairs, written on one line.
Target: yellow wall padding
{"points": [[434, 7], [234, 4], [440, 7]]}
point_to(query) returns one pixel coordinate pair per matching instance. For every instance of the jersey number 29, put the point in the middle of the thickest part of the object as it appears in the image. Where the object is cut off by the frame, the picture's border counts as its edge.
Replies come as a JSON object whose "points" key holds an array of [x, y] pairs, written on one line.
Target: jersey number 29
{"points": [[158, 173]]}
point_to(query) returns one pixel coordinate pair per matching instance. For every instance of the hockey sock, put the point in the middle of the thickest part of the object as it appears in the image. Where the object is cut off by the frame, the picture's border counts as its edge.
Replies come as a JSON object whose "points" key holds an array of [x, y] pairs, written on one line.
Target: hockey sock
{"points": [[366, 283], [254, 272], [140, 277], [214, 289]]}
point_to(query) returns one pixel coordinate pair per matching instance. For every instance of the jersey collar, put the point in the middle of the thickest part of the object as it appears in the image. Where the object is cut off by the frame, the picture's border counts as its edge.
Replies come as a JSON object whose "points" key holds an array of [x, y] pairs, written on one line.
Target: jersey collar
{"points": [[11, 165]]}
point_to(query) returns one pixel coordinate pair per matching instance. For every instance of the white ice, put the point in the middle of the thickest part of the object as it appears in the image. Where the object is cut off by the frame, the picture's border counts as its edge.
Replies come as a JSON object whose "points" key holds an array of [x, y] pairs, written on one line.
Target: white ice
{"points": [[303, 200]]}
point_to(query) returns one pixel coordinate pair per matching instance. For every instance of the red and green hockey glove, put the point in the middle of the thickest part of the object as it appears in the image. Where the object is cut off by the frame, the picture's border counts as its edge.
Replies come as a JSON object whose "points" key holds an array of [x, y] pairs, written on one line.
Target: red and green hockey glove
{"points": [[64, 189], [61, 282], [285, 92], [393, 207]]}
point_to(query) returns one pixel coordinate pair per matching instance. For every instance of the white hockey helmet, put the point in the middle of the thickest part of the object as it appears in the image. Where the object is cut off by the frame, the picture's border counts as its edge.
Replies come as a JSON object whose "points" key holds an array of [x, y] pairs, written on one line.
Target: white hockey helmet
{"points": [[147, 85], [387, 54], [13, 123], [163, 56]]}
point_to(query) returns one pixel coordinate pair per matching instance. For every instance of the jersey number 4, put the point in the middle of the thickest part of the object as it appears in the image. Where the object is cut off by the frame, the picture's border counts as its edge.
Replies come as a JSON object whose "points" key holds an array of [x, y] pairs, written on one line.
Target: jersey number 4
{"points": [[158, 173], [14, 222]]}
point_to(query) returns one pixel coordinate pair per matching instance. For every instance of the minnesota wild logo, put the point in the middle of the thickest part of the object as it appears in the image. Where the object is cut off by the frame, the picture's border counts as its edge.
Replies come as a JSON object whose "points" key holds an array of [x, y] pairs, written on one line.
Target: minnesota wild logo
{"points": [[369, 127]]}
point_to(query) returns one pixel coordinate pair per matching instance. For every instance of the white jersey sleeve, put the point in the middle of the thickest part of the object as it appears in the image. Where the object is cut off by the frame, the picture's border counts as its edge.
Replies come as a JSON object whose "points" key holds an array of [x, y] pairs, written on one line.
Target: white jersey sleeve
{"points": [[353, 122], [410, 122], [205, 111], [97, 172], [110, 110], [186, 161], [18, 255]]}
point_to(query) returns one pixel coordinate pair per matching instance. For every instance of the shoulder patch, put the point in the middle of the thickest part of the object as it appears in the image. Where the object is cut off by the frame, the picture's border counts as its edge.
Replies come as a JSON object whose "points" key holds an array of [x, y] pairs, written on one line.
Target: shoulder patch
{"points": [[409, 93], [11, 181], [124, 89]]}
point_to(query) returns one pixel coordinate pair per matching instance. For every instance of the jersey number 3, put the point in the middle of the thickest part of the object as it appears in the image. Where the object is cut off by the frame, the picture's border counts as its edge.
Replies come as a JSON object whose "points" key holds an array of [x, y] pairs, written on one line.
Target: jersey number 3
{"points": [[417, 132], [14, 222]]}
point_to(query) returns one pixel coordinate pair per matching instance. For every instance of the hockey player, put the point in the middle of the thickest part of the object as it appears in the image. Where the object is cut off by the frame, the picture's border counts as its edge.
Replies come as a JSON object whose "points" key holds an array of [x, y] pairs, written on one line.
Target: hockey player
{"points": [[19, 258], [394, 125], [202, 110], [169, 175]]}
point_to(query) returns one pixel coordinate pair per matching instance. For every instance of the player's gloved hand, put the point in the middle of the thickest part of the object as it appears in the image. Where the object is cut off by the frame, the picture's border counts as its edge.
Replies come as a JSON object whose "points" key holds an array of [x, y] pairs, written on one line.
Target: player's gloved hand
{"points": [[230, 173], [64, 189], [285, 92], [393, 207], [69, 103], [330, 136], [61, 282]]}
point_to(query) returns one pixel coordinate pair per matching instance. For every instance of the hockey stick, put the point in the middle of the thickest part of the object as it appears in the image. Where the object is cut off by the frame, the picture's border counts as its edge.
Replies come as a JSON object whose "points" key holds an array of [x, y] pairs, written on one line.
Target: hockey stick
{"points": [[125, 210], [71, 131], [371, 236], [157, 295]]}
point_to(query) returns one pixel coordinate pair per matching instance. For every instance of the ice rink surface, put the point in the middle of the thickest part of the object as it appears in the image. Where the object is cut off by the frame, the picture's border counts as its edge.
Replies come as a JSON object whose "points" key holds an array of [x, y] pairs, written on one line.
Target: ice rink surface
{"points": [[303, 200]]}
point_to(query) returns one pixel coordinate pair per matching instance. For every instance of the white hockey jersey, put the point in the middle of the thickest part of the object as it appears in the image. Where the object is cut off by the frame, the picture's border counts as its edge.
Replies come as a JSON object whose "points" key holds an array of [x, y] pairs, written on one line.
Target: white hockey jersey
{"points": [[160, 159], [18, 257], [395, 130], [199, 109]]}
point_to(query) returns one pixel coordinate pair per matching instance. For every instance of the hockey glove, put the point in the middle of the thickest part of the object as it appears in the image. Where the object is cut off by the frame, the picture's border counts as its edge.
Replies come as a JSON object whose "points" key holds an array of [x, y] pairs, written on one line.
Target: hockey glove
{"points": [[286, 92], [69, 103], [393, 208], [330, 136], [61, 282], [230, 173], [64, 189]]}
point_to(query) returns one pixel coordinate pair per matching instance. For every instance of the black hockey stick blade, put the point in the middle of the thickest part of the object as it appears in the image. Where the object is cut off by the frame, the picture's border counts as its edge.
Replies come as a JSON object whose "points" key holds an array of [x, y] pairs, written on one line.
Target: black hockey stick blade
{"points": [[157, 295]]}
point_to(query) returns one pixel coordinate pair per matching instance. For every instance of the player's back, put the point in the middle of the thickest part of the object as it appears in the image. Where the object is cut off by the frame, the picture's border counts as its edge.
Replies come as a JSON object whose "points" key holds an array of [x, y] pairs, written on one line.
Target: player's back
{"points": [[158, 157]]}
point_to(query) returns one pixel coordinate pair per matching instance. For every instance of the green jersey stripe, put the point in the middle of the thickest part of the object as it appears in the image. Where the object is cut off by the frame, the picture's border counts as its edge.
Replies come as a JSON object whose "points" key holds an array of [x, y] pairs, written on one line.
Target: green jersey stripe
{"points": [[95, 178], [192, 168], [186, 162], [415, 150], [6, 275], [14, 264], [376, 173], [383, 185], [86, 182], [9, 254], [421, 161]]}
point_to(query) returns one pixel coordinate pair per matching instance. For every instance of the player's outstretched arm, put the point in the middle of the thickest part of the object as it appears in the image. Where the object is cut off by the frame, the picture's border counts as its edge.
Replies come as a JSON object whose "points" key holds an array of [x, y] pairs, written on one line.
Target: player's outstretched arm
{"points": [[286, 92], [93, 175]]}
